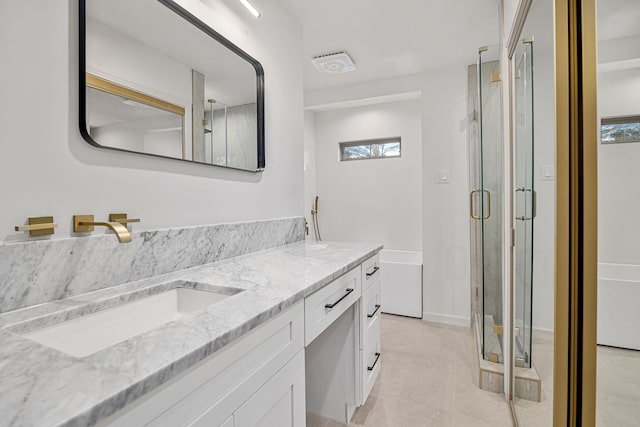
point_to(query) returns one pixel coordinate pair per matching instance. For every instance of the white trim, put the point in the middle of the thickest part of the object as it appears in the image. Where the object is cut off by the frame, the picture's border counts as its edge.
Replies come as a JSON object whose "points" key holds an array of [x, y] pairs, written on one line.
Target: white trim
{"points": [[340, 105], [619, 272], [447, 319]]}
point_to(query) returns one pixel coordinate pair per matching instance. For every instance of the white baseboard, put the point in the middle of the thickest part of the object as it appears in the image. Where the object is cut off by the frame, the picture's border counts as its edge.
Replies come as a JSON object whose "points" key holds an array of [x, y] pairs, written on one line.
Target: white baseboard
{"points": [[447, 319]]}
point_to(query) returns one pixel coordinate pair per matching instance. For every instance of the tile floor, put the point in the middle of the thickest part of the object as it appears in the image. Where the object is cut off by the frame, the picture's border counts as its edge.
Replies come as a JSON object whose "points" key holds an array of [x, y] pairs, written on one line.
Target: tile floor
{"points": [[426, 380], [618, 387]]}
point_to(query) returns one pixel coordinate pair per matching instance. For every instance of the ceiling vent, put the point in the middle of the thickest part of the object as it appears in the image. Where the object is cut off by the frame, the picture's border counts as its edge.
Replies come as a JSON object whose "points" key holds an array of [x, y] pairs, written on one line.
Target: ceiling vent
{"points": [[333, 63]]}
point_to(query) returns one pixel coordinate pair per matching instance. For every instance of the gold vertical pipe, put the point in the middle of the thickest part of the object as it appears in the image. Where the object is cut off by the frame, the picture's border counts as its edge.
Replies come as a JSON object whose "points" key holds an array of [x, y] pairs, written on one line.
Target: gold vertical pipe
{"points": [[576, 214]]}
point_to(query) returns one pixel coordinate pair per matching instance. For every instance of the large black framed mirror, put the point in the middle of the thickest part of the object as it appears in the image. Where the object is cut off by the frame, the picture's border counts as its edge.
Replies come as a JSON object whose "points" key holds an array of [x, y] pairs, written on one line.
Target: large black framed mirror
{"points": [[156, 80]]}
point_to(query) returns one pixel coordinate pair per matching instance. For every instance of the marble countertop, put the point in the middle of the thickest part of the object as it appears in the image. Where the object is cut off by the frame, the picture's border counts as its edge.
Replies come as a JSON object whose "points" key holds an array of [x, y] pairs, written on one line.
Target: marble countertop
{"points": [[42, 386]]}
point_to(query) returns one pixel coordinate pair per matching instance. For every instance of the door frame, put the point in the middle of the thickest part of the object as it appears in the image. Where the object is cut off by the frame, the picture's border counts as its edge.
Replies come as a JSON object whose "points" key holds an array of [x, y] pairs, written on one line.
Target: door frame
{"points": [[576, 247]]}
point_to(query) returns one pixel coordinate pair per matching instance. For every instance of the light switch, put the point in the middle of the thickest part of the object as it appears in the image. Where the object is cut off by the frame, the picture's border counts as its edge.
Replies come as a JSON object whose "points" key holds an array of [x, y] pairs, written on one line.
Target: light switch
{"points": [[548, 173], [442, 176]]}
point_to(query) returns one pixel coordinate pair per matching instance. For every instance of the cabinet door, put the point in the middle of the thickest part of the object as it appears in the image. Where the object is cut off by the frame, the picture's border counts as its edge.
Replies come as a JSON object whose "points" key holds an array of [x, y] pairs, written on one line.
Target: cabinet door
{"points": [[280, 402]]}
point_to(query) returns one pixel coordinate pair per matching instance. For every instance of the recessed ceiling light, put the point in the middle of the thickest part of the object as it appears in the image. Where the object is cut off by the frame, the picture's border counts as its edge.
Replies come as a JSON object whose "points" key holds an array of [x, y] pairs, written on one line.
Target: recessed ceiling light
{"points": [[251, 8]]}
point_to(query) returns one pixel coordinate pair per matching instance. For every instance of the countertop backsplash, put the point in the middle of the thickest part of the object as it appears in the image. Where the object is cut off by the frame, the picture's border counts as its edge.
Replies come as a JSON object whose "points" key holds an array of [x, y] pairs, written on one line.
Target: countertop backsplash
{"points": [[48, 270]]}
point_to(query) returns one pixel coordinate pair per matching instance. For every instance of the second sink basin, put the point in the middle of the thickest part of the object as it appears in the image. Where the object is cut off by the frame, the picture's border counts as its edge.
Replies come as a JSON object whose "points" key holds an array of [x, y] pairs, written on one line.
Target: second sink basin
{"points": [[93, 332]]}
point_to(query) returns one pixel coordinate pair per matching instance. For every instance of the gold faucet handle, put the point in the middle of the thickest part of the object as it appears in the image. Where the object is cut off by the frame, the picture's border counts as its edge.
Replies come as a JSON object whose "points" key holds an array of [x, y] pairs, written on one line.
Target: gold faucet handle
{"points": [[122, 218], [83, 223], [38, 226]]}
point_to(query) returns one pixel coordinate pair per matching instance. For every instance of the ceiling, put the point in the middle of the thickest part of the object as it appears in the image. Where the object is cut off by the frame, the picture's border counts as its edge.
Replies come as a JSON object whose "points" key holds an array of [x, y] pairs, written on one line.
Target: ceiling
{"points": [[618, 19], [106, 109], [393, 38]]}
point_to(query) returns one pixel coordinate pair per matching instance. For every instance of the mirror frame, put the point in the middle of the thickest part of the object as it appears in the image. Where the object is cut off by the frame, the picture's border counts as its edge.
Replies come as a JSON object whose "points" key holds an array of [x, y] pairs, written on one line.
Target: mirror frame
{"points": [[184, 14]]}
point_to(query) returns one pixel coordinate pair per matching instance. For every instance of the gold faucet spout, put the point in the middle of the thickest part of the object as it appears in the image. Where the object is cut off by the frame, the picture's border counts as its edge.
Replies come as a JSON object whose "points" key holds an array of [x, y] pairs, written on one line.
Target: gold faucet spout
{"points": [[85, 223], [121, 231]]}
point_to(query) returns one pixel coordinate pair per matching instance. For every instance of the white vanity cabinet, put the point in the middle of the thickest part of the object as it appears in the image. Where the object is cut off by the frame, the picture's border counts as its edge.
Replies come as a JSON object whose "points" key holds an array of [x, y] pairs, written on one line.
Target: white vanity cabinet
{"points": [[324, 306], [342, 340], [323, 354], [247, 383], [370, 351]]}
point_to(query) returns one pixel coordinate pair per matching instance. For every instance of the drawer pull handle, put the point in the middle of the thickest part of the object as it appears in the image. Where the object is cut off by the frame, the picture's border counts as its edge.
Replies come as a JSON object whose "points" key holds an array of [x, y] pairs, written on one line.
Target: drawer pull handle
{"points": [[375, 270], [370, 368], [349, 290], [374, 311]]}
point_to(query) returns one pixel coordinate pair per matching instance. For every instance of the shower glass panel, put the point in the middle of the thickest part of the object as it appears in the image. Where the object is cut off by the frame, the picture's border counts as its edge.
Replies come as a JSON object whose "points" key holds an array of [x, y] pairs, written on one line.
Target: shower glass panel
{"points": [[215, 133], [524, 200], [486, 202]]}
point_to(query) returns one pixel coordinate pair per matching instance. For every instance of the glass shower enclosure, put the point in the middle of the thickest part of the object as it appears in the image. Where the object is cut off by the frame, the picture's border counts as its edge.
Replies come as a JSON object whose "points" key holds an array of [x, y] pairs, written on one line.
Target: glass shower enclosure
{"points": [[486, 201], [524, 202], [215, 133]]}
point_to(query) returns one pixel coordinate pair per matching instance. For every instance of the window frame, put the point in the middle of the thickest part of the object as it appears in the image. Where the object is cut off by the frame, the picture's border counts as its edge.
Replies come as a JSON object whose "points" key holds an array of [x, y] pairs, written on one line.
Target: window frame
{"points": [[374, 141]]}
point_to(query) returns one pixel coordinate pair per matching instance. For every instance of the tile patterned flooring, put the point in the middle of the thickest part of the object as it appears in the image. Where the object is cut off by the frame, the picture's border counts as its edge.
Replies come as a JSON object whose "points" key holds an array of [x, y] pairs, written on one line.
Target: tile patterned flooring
{"points": [[426, 380], [618, 386]]}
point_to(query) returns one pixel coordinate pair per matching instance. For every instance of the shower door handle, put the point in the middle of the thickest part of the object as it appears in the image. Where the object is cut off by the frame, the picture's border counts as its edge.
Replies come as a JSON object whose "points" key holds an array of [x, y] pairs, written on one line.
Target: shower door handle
{"points": [[471, 204], [534, 204], [488, 204]]}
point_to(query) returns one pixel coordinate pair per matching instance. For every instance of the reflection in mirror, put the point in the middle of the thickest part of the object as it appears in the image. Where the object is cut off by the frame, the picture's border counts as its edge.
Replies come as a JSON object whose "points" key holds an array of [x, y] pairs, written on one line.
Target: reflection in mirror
{"points": [[533, 199], [618, 338], [126, 119], [158, 81]]}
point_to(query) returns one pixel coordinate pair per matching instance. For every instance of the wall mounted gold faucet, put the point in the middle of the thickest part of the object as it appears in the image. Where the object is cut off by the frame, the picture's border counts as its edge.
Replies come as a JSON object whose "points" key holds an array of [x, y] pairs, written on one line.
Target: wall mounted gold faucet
{"points": [[38, 226], [85, 223]]}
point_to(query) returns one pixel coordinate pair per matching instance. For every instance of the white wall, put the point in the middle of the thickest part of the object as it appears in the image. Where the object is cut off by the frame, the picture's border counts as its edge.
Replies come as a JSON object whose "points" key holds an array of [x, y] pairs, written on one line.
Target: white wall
{"points": [[446, 207], [445, 218], [46, 168], [618, 173], [310, 187], [544, 157], [618, 204], [377, 200], [149, 135]]}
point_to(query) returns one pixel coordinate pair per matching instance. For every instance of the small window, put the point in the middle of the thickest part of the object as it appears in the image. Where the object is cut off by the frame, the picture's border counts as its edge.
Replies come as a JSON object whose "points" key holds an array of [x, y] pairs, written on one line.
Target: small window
{"points": [[370, 149], [615, 130]]}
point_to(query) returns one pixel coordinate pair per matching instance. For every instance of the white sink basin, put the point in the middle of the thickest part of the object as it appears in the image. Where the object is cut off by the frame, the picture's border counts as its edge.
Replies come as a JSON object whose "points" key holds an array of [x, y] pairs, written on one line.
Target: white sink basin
{"points": [[88, 334]]}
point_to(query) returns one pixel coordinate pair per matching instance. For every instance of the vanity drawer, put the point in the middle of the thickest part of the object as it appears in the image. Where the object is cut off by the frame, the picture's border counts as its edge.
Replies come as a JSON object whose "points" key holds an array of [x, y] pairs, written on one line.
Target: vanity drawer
{"points": [[221, 383], [371, 359], [370, 272], [324, 306], [370, 311]]}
